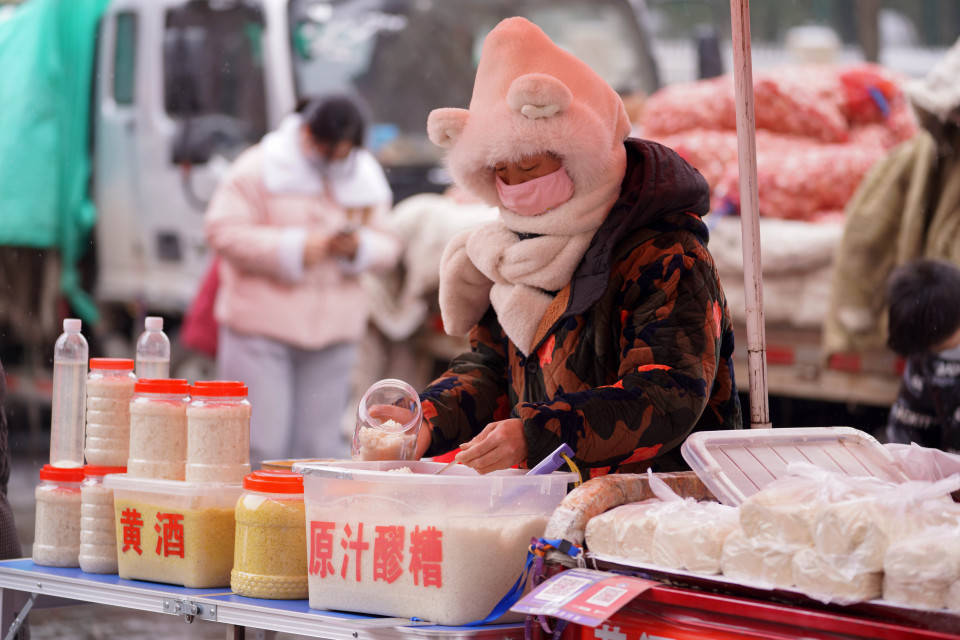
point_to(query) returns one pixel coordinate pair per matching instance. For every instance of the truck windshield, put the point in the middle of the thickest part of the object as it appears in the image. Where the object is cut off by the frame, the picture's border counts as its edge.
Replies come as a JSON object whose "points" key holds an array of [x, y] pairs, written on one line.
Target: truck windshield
{"points": [[406, 57]]}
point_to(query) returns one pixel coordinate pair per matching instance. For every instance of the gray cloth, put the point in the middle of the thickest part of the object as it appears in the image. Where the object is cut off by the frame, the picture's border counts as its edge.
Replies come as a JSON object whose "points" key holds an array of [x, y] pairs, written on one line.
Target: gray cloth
{"points": [[298, 396]]}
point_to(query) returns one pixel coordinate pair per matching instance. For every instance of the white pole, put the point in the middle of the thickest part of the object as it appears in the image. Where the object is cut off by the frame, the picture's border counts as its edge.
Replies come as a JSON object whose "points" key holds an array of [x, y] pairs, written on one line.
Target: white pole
{"points": [[749, 213]]}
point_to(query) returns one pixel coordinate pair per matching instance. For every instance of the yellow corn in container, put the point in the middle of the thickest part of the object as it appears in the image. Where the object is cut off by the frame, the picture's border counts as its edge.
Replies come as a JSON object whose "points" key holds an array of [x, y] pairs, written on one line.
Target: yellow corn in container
{"points": [[270, 557]]}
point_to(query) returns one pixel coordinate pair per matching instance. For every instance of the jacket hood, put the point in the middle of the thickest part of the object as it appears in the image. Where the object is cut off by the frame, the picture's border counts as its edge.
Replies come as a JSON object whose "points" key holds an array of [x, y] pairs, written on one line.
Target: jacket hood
{"points": [[659, 189], [938, 94], [531, 96]]}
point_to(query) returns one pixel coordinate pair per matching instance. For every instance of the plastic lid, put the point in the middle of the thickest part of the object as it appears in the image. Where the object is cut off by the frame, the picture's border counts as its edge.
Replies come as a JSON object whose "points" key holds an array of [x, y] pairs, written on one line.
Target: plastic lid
{"points": [[93, 470], [72, 325], [274, 482], [219, 388], [153, 323], [736, 464], [162, 385], [119, 364], [61, 474]]}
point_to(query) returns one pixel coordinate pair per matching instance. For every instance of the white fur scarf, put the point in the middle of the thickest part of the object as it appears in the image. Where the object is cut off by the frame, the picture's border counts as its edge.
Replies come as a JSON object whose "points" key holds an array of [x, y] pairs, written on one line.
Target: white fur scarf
{"points": [[492, 265]]}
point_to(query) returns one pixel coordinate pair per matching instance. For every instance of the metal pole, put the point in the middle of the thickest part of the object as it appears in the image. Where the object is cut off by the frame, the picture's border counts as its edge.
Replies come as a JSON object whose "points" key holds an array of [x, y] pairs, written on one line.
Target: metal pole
{"points": [[749, 213]]}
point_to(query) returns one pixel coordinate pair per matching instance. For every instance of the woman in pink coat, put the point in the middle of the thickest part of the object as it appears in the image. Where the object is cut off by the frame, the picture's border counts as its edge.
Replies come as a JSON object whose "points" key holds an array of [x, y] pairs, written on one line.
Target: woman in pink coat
{"points": [[294, 224]]}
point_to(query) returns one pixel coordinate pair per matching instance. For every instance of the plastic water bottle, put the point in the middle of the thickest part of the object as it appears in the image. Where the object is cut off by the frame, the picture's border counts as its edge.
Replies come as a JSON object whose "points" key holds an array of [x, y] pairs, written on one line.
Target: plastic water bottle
{"points": [[153, 350], [69, 396]]}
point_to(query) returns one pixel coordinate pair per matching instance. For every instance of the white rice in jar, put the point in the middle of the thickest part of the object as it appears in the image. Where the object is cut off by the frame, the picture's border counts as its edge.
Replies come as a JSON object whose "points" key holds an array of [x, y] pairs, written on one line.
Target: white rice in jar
{"points": [[218, 433], [57, 528], [110, 386], [386, 443], [158, 430], [98, 534]]}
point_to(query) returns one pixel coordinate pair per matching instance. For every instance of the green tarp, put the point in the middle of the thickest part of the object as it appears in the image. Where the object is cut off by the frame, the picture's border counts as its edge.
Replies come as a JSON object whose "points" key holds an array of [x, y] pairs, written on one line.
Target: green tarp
{"points": [[46, 60]]}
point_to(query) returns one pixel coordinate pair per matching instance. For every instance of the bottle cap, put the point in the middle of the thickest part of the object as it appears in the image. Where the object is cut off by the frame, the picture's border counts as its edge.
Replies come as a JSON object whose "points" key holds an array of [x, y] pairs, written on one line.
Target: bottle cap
{"points": [[119, 364], [219, 389], [173, 386], [61, 474], [274, 482], [153, 323], [92, 470], [71, 325]]}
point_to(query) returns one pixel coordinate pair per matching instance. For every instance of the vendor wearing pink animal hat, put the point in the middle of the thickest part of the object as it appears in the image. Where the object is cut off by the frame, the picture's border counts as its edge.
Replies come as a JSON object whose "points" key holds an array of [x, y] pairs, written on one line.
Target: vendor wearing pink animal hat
{"points": [[593, 307]]}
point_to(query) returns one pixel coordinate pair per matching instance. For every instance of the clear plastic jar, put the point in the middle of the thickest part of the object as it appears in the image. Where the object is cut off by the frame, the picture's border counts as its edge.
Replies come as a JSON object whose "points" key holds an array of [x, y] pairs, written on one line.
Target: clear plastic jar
{"points": [[98, 531], [388, 421], [109, 390], [218, 433], [56, 540], [158, 429], [270, 552]]}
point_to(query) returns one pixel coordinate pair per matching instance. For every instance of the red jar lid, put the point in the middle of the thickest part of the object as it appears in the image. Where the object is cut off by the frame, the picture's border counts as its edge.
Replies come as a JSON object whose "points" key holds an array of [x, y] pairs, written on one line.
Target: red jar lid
{"points": [[118, 364], [93, 470], [219, 389], [274, 482], [61, 474], [162, 385]]}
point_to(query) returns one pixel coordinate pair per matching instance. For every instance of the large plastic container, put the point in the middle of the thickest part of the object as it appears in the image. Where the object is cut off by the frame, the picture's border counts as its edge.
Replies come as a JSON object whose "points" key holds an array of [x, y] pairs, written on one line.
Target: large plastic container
{"points": [[158, 429], [218, 432], [174, 532], [98, 532], [69, 396], [390, 538], [738, 463], [270, 559], [109, 390], [388, 422], [153, 350], [56, 540]]}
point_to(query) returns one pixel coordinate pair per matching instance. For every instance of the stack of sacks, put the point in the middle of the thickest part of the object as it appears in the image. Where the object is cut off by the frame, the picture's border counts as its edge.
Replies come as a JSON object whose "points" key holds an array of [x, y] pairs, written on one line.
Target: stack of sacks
{"points": [[819, 132], [670, 531]]}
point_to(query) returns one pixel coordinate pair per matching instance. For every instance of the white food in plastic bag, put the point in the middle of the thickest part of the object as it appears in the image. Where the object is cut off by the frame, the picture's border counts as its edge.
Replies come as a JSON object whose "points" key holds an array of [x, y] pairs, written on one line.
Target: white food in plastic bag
{"points": [[819, 579], [853, 535], [626, 531], [757, 561], [782, 513], [692, 536], [919, 571]]}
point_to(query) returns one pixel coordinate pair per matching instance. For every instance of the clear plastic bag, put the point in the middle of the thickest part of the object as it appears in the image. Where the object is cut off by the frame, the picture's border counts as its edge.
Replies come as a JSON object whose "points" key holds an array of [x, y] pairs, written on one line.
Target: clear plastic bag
{"points": [[627, 531], [786, 510], [690, 535], [920, 571], [820, 579], [757, 562]]}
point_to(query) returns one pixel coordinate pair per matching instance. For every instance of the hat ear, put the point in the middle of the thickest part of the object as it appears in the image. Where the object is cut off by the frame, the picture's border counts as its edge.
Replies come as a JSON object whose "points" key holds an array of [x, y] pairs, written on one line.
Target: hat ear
{"points": [[444, 126], [538, 95]]}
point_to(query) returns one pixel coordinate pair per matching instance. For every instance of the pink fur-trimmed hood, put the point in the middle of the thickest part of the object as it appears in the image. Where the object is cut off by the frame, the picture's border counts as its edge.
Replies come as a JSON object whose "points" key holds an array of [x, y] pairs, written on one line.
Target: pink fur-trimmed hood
{"points": [[532, 96]]}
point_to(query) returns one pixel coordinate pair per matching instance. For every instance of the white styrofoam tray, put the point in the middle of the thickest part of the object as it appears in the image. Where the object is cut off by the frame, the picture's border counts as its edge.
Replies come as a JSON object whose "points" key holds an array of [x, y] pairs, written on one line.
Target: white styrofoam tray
{"points": [[738, 463]]}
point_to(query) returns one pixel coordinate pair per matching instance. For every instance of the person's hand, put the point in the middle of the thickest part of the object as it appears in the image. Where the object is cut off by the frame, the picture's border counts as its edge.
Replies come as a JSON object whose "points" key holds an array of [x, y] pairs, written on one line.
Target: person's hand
{"points": [[344, 245], [500, 445], [315, 248]]}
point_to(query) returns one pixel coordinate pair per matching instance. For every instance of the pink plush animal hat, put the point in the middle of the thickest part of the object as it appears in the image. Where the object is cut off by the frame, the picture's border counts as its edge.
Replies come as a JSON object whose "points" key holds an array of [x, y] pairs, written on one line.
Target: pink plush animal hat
{"points": [[532, 96]]}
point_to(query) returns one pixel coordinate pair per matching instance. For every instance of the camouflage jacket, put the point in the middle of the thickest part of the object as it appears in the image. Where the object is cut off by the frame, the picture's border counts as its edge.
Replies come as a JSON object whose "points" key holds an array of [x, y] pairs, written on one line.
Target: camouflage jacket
{"points": [[633, 355]]}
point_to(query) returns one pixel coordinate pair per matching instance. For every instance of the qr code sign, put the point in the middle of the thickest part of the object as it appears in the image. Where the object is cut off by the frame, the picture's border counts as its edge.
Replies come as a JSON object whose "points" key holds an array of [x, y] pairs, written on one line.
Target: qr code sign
{"points": [[563, 588], [606, 596]]}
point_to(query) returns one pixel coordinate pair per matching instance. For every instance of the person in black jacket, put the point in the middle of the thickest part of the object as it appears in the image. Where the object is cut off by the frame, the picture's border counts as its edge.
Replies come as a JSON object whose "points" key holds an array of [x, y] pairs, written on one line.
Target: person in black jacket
{"points": [[924, 328]]}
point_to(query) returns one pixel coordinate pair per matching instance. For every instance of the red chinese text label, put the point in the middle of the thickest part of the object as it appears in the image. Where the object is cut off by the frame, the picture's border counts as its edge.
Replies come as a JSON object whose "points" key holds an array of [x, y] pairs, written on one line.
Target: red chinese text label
{"points": [[393, 553]]}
